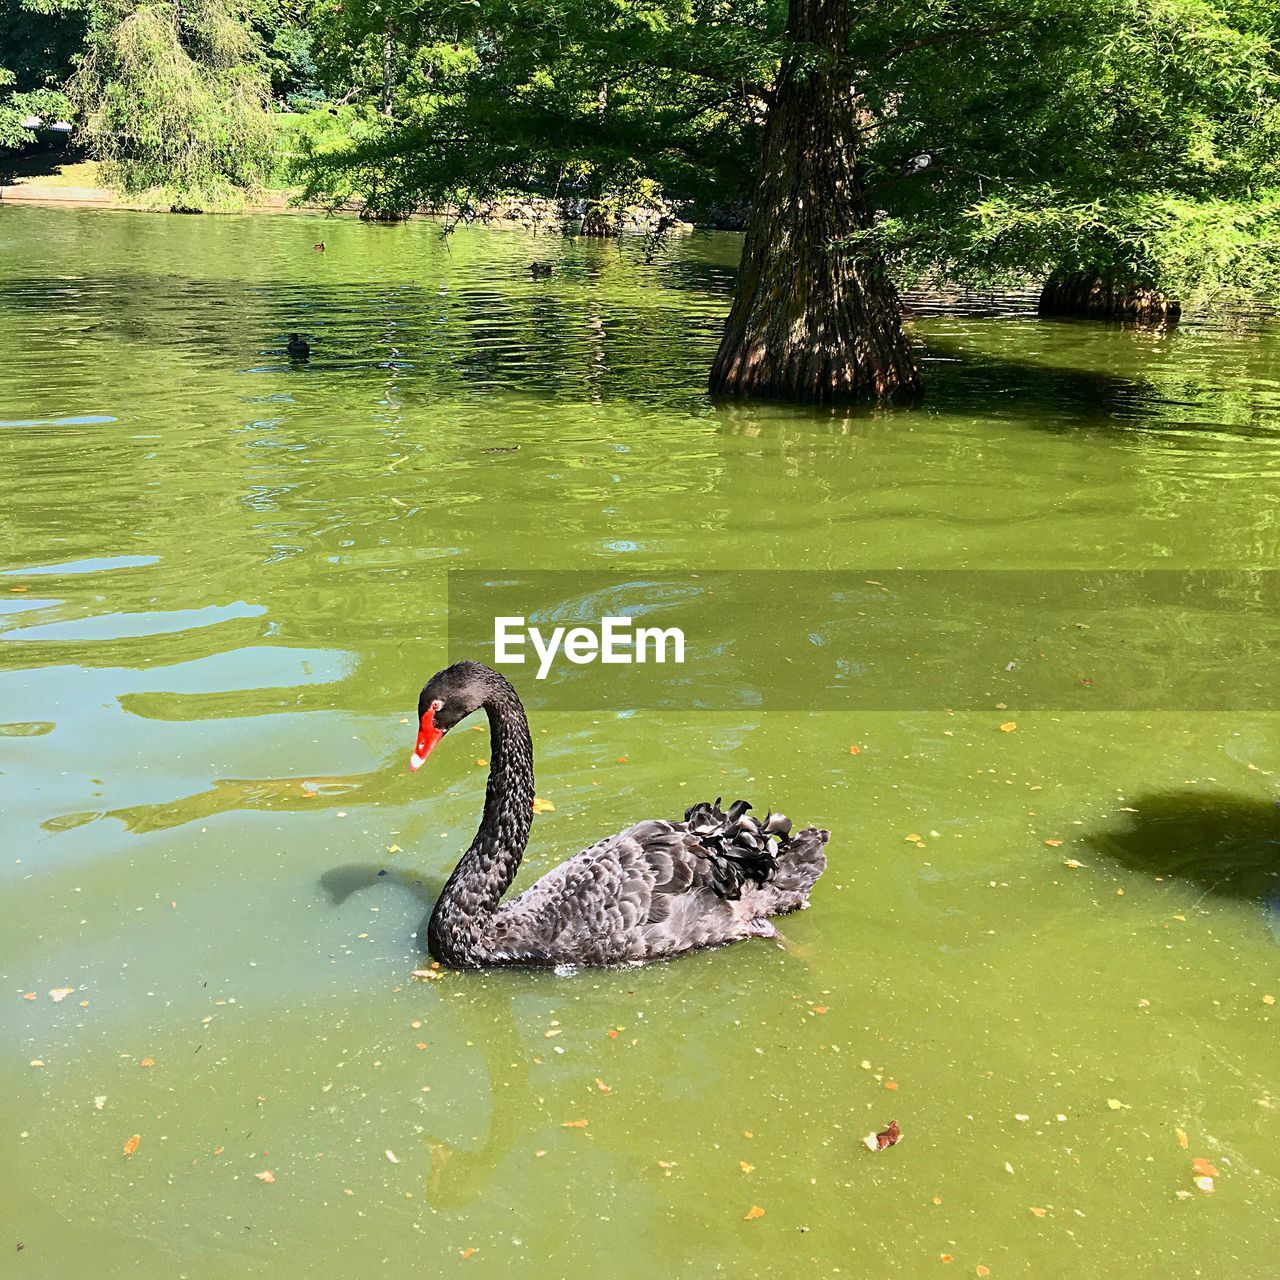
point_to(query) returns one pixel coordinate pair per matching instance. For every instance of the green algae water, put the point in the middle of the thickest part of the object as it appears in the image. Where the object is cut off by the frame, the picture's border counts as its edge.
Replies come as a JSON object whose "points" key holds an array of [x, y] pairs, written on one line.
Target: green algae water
{"points": [[1046, 944]]}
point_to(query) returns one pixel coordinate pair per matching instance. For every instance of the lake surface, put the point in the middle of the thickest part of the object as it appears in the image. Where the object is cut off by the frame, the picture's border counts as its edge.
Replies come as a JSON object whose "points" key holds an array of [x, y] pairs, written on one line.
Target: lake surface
{"points": [[224, 583]]}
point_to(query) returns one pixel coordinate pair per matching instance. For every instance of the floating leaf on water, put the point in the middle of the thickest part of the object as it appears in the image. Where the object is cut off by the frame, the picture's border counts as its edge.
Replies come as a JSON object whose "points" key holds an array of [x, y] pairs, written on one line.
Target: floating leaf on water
{"points": [[855, 751], [604, 1088], [542, 806], [1182, 1138], [1073, 864], [745, 1167], [1203, 1168], [147, 1062], [391, 1155], [100, 1101], [59, 994], [753, 1213], [1268, 999], [466, 1253], [132, 1145], [574, 1124], [265, 1176], [1038, 1211], [1009, 726], [889, 1136], [1115, 1104], [1053, 844]]}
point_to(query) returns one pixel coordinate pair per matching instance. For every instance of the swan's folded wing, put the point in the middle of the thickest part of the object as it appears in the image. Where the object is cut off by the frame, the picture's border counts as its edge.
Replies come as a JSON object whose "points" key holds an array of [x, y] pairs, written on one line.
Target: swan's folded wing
{"points": [[634, 895]]}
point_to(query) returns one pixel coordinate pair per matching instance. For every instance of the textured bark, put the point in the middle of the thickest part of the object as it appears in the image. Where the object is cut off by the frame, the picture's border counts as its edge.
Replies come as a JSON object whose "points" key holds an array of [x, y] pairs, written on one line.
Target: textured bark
{"points": [[1090, 294], [812, 320]]}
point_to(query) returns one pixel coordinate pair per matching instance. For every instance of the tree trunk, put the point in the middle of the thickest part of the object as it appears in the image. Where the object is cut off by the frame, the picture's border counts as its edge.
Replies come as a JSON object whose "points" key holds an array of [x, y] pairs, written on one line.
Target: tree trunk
{"points": [[1091, 294], [812, 319]]}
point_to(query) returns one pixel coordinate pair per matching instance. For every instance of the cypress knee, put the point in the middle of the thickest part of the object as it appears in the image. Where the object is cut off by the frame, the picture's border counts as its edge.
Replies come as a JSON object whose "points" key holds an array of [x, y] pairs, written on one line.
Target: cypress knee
{"points": [[1093, 295]]}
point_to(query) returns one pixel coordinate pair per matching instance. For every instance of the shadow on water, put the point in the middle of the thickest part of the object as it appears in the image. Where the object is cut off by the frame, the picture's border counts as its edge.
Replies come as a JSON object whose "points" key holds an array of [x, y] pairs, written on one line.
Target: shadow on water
{"points": [[341, 882], [1227, 844], [458, 1173]]}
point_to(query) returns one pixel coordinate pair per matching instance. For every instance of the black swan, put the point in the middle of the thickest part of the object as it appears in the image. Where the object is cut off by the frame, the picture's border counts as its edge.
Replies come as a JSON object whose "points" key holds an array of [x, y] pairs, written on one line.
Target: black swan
{"points": [[657, 889]]}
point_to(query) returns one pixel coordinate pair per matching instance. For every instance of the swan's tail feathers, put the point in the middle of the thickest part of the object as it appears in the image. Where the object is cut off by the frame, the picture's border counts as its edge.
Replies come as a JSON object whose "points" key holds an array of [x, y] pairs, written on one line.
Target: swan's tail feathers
{"points": [[761, 856], [800, 863]]}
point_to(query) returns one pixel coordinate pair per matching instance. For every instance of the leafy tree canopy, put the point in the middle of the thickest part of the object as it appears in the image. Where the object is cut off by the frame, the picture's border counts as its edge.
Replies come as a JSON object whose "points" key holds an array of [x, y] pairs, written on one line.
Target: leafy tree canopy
{"points": [[173, 99], [1001, 137], [38, 41]]}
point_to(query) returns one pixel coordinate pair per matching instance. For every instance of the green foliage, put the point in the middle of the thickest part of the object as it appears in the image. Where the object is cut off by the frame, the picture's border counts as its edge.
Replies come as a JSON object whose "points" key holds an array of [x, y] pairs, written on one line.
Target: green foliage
{"points": [[1135, 138], [174, 103], [594, 97], [38, 40]]}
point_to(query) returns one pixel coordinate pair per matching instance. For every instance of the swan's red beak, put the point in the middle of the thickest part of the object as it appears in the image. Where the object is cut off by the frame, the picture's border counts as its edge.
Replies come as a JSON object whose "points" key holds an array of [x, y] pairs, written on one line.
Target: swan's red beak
{"points": [[428, 736]]}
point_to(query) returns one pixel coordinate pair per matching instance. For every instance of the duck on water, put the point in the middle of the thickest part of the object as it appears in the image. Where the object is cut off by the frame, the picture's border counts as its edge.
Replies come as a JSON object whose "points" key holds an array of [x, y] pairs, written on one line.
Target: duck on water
{"points": [[655, 890]]}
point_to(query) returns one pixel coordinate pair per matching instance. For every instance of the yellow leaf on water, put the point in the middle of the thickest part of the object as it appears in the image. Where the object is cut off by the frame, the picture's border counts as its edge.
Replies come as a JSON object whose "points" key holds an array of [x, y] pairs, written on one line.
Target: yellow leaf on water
{"points": [[574, 1124], [1268, 999], [265, 1176], [132, 1145], [1203, 1168], [1053, 844], [59, 994], [1009, 726], [1115, 1104], [147, 1062], [1182, 1138], [542, 806], [745, 1167], [753, 1213], [1037, 1211]]}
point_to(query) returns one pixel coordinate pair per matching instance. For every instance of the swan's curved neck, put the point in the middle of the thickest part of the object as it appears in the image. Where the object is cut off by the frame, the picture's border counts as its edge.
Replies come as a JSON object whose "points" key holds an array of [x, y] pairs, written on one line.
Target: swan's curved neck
{"points": [[457, 933]]}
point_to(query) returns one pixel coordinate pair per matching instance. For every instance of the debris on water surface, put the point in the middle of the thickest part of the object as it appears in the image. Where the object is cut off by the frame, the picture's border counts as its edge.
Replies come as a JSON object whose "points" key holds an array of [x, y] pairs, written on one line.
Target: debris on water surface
{"points": [[542, 806], [1205, 1184], [574, 1124], [391, 1155], [59, 994], [1203, 1168], [753, 1213], [132, 1145], [889, 1136], [265, 1176], [745, 1167], [1009, 726], [1182, 1138], [1037, 1210]]}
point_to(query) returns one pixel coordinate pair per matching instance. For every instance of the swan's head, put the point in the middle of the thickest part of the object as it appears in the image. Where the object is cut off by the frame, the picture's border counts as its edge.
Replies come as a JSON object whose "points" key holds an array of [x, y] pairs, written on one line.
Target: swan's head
{"points": [[449, 696]]}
